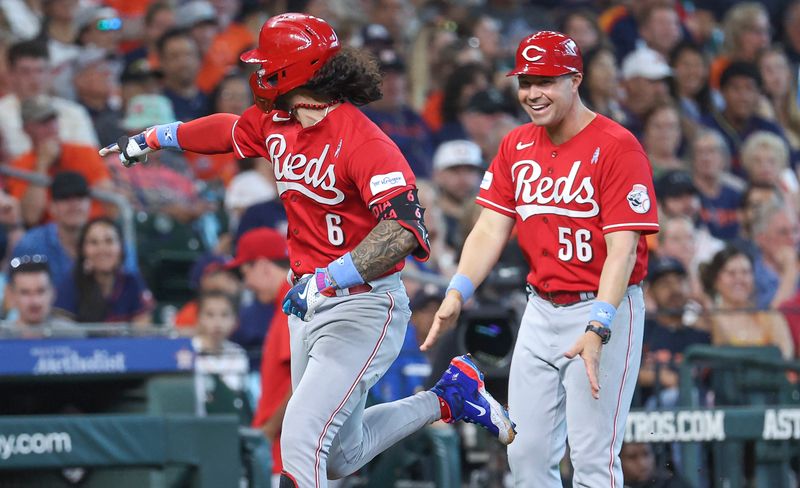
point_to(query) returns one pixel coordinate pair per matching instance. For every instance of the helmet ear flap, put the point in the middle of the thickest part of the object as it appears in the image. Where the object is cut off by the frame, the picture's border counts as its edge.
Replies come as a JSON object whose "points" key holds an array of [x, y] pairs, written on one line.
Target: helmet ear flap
{"points": [[264, 91]]}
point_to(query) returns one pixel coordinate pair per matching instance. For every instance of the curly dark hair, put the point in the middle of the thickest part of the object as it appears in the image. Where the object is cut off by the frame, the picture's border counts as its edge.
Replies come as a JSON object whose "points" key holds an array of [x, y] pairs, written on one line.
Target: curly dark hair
{"points": [[352, 75], [711, 270]]}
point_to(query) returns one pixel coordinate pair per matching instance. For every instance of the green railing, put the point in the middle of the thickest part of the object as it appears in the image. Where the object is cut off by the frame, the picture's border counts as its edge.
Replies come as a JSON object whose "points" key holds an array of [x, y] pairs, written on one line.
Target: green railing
{"points": [[754, 402]]}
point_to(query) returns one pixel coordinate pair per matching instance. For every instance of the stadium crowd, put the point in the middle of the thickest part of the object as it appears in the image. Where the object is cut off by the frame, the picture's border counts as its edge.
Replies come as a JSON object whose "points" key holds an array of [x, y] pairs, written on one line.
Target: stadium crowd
{"points": [[710, 88]]}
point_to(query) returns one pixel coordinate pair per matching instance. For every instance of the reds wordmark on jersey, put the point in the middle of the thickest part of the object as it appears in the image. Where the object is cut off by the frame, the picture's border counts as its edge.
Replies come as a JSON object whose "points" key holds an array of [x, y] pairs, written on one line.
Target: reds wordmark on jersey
{"points": [[328, 176], [565, 198]]}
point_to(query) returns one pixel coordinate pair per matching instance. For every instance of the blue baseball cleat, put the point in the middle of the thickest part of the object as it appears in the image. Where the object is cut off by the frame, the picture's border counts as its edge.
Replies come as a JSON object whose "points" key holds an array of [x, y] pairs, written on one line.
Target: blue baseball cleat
{"points": [[462, 391]]}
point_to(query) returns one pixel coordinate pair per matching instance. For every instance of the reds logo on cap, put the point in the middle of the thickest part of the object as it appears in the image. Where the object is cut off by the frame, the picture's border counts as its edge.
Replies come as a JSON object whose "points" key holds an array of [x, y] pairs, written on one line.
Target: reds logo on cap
{"points": [[526, 53], [547, 53]]}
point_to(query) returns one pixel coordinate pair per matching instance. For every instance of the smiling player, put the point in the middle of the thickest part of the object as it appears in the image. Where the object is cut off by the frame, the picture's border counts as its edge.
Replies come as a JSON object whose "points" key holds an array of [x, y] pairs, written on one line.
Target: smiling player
{"points": [[578, 187]]}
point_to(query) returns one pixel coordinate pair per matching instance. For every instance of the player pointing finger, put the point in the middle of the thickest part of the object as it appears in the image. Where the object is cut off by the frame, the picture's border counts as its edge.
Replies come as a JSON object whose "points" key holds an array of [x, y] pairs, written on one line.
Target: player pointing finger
{"points": [[353, 217]]}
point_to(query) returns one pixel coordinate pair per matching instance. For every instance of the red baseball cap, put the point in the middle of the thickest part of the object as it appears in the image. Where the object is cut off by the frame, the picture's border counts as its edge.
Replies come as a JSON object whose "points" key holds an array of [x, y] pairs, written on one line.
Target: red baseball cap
{"points": [[547, 53], [262, 242]]}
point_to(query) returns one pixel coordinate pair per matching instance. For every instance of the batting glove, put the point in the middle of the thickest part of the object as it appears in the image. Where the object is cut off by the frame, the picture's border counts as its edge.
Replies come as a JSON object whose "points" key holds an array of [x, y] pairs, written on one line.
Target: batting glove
{"points": [[135, 149], [304, 297]]}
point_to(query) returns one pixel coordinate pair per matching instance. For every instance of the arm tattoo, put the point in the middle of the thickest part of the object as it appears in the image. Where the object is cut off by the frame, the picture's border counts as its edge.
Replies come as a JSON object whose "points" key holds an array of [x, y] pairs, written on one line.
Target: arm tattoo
{"points": [[384, 247]]}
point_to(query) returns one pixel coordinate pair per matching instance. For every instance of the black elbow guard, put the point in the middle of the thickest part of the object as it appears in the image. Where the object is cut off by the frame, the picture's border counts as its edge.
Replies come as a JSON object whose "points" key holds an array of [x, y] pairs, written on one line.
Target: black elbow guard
{"points": [[406, 210]]}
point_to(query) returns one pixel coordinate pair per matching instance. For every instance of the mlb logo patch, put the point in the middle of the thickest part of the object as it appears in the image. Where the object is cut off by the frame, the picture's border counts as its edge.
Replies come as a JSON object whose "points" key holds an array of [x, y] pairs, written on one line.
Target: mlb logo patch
{"points": [[638, 199]]}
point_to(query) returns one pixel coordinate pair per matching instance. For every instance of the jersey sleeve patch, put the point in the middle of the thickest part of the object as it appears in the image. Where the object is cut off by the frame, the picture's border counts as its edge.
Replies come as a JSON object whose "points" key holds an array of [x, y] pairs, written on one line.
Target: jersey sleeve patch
{"points": [[486, 183], [638, 199], [381, 183]]}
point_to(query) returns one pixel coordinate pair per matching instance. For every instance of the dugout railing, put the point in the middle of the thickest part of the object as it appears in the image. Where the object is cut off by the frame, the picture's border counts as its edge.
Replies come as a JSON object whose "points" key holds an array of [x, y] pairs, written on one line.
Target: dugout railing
{"points": [[737, 420]]}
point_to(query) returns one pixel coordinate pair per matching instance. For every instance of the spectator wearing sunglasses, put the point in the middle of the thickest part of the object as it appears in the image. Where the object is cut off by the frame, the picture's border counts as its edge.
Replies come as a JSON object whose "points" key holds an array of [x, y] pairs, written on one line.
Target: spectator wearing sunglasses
{"points": [[100, 27]]}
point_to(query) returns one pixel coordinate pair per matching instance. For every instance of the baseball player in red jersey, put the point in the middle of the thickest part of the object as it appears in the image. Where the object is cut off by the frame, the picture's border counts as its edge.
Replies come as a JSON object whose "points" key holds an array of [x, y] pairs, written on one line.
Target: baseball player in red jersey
{"points": [[579, 188], [353, 217]]}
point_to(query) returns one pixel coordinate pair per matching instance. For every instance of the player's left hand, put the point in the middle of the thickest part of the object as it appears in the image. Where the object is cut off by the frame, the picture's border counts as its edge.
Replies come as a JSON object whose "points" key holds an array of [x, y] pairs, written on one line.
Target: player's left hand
{"points": [[444, 320], [589, 347], [304, 297]]}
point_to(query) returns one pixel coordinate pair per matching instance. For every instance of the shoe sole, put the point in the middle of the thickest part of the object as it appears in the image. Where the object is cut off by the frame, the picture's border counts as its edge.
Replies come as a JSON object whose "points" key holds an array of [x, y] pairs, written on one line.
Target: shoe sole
{"points": [[467, 366]]}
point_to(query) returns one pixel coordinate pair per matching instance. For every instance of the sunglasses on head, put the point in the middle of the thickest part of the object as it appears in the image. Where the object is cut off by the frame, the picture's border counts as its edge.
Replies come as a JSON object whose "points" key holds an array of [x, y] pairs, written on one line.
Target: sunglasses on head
{"points": [[26, 259]]}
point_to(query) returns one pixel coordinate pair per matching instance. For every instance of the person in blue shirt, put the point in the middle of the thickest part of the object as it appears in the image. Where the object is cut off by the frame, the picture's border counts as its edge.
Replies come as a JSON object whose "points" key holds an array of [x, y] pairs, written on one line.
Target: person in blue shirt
{"points": [[180, 63], [776, 235], [99, 289], [740, 85], [668, 331], [265, 214], [58, 240], [720, 192], [397, 119]]}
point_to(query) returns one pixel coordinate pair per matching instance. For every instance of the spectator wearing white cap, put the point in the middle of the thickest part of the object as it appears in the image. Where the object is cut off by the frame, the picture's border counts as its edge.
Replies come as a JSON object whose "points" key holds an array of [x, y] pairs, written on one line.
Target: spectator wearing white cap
{"points": [[100, 27], [644, 77], [200, 18], [457, 170], [246, 189], [95, 88]]}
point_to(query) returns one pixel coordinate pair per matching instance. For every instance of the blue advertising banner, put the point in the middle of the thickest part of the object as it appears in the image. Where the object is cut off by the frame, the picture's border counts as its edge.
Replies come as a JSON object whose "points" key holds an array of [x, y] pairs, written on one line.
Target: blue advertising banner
{"points": [[41, 357]]}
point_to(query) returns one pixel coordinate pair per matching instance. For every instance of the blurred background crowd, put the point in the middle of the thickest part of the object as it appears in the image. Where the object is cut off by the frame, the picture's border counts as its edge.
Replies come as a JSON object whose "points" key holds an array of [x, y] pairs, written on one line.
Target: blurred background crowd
{"points": [[710, 88]]}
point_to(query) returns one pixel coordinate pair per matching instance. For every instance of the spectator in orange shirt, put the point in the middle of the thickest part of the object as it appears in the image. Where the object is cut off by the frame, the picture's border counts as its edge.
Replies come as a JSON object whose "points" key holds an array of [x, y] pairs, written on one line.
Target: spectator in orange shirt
{"points": [[228, 45], [50, 156], [263, 258]]}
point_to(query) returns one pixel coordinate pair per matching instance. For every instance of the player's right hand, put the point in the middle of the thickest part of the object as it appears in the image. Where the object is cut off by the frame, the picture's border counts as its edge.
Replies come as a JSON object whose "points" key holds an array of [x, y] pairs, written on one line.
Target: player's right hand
{"points": [[444, 320], [133, 149], [306, 295]]}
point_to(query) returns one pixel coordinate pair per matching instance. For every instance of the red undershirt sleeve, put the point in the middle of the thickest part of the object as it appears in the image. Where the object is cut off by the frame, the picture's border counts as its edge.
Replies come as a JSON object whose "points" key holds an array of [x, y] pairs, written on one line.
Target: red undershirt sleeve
{"points": [[208, 135]]}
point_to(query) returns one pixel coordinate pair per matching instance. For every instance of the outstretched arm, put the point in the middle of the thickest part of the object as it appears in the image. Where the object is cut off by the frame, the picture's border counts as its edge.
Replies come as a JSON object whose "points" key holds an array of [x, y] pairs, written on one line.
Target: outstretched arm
{"points": [[207, 135]]}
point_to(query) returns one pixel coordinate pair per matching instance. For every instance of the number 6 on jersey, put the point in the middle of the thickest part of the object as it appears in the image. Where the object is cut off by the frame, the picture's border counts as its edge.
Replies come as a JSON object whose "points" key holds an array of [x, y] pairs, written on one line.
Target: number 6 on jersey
{"points": [[335, 231], [583, 250]]}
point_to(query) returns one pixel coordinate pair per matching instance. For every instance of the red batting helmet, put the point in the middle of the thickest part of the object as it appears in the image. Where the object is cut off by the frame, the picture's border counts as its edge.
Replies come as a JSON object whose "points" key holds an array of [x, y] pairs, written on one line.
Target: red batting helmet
{"points": [[547, 53], [291, 49]]}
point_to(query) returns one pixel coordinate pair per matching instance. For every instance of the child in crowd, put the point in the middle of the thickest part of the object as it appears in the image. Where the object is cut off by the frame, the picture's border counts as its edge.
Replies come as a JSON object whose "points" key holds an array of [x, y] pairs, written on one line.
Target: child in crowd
{"points": [[221, 365]]}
